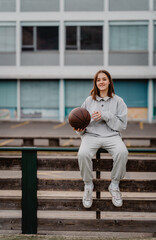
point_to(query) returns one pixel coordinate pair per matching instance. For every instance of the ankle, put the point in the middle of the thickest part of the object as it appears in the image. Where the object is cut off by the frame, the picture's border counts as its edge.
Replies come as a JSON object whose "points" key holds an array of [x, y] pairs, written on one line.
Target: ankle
{"points": [[115, 184], [89, 185]]}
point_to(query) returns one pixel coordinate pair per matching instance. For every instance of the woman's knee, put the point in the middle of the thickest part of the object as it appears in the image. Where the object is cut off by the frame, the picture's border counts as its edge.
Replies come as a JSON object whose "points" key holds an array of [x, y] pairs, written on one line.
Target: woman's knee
{"points": [[122, 153], [82, 153]]}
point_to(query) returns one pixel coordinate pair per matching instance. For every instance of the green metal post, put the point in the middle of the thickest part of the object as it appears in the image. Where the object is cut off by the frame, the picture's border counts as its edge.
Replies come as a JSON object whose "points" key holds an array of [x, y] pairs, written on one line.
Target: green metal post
{"points": [[98, 175], [29, 191]]}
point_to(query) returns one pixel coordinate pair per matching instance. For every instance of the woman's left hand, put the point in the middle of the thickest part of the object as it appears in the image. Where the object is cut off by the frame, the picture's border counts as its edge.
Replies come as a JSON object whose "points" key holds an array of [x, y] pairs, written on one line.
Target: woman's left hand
{"points": [[96, 116]]}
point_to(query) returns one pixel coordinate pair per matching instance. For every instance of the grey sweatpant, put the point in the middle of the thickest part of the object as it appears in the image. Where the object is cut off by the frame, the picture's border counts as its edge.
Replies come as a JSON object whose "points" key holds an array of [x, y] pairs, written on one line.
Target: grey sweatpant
{"points": [[88, 148]]}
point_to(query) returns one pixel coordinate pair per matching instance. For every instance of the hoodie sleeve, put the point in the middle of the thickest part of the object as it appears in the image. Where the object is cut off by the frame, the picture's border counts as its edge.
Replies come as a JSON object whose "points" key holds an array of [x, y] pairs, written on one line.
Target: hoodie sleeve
{"points": [[118, 121]]}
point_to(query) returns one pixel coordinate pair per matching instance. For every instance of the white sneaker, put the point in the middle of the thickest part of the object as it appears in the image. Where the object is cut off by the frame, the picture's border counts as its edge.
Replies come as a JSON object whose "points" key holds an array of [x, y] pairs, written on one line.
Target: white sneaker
{"points": [[116, 196], [87, 197]]}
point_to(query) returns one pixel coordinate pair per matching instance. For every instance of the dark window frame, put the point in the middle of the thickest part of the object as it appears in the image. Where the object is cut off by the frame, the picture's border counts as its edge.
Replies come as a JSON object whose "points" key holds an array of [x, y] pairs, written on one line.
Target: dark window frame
{"points": [[34, 47], [78, 45]]}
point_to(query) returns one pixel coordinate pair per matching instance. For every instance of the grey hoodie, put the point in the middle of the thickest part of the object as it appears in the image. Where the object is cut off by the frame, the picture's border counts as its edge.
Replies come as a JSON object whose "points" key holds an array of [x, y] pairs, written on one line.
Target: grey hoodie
{"points": [[114, 116]]}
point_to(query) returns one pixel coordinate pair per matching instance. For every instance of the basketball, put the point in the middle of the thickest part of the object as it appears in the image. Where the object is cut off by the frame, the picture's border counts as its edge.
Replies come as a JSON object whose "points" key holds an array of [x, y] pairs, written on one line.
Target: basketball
{"points": [[79, 118]]}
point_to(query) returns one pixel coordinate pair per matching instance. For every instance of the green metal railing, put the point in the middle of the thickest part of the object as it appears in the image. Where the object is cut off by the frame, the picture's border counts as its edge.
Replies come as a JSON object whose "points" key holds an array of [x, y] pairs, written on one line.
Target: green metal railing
{"points": [[29, 180]]}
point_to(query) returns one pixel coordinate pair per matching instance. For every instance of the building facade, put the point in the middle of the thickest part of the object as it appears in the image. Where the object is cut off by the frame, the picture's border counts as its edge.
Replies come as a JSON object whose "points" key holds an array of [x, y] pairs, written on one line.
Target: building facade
{"points": [[50, 51]]}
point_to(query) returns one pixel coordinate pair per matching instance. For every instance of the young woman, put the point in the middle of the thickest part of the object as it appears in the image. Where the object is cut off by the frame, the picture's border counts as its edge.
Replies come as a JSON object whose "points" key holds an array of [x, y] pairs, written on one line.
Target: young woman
{"points": [[108, 117]]}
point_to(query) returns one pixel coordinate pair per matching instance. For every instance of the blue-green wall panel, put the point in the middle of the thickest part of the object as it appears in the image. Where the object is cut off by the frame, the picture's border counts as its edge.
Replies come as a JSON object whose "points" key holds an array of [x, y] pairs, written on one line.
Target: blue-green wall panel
{"points": [[155, 37], [76, 91], [154, 93], [8, 94], [40, 94], [154, 110], [134, 92]]}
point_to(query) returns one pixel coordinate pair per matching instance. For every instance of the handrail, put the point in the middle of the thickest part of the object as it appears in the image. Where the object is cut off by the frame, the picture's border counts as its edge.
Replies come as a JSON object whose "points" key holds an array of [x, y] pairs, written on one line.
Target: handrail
{"points": [[55, 149], [71, 149]]}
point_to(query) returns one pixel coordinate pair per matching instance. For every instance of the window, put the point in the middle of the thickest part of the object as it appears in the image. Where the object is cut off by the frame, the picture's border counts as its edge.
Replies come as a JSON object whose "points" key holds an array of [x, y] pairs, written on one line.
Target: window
{"points": [[7, 39], [27, 39], [91, 37], [39, 38], [84, 37], [71, 37], [128, 36], [47, 38]]}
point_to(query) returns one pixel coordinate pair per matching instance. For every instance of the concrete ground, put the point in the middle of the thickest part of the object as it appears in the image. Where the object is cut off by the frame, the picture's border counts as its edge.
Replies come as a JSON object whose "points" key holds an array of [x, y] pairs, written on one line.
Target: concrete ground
{"points": [[50, 129], [44, 237]]}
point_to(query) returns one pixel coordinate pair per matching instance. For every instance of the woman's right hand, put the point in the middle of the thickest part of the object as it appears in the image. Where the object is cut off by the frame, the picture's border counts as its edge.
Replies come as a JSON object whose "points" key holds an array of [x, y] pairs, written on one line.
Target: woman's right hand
{"points": [[79, 129]]}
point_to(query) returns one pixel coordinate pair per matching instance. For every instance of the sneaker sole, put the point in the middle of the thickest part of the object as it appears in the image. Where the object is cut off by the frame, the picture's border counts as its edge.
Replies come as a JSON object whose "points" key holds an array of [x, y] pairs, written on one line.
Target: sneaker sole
{"points": [[88, 206], [114, 203]]}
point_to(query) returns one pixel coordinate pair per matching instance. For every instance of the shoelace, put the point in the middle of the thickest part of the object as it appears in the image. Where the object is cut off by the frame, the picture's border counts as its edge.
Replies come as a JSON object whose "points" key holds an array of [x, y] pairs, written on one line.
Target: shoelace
{"points": [[87, 195], [117, 194]]}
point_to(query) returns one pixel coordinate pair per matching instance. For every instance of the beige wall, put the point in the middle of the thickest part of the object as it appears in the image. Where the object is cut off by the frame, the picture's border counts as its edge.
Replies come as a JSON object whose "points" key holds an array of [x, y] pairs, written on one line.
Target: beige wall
{"points": [[137, 113]]}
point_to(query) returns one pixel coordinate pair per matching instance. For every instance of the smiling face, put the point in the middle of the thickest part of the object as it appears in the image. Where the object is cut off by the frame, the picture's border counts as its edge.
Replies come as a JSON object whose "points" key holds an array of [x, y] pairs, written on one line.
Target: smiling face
{"points": [[102, 87], [102, 83]]}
